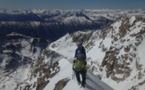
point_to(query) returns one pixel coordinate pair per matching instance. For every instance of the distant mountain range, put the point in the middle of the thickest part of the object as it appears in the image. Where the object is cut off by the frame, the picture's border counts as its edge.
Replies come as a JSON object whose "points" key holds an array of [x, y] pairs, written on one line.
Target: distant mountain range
{"points": [[52, 24]]}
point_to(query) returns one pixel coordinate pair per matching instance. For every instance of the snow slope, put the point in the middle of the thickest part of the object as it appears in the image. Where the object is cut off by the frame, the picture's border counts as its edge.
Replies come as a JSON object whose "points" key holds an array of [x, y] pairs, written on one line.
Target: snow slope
{"points": [[66, 47], [116, 55], [92, 82]]}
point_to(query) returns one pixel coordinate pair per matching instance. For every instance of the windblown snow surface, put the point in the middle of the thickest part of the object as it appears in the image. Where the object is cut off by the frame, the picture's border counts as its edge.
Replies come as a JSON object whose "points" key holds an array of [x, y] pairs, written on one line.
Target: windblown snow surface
{"points": [[133, 38], [93, 83]]}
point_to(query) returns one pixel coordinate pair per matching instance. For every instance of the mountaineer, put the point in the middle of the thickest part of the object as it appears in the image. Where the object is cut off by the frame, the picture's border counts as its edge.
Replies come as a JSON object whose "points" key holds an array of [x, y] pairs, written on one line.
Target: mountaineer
{"points": [[79, 64]]}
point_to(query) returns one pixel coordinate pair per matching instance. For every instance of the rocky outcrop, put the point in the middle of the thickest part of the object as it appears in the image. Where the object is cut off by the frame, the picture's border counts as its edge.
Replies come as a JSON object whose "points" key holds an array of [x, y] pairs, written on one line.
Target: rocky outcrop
{"points": [[43, 70], [123, 51], [110, 62], [61, 84]]}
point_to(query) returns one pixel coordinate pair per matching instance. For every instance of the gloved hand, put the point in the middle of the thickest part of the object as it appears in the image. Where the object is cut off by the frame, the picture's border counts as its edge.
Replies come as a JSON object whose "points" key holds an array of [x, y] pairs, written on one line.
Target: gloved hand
{"points": [[73, 65], [85, 62], [74, 61], [73, 69]]}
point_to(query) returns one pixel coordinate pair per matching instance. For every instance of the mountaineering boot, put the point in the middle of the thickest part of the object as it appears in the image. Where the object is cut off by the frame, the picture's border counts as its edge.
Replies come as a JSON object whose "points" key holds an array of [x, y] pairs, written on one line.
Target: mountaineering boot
{"points": [[79, 83], [83, 85]]}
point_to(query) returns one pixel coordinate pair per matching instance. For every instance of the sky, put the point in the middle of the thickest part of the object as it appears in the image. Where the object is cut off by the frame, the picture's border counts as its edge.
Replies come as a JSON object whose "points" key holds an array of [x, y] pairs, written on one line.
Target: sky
{"points": [[72, 4]]}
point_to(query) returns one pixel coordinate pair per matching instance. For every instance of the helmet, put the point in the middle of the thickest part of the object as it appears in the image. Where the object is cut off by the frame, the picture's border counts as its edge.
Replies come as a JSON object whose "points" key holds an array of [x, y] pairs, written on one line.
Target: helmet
{"points": [[79, 44]]}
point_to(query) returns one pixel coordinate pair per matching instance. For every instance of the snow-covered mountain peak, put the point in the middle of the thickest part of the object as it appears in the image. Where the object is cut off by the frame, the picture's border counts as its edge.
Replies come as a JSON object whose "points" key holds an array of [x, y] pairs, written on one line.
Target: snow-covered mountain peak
{"points": [[115, 54]]}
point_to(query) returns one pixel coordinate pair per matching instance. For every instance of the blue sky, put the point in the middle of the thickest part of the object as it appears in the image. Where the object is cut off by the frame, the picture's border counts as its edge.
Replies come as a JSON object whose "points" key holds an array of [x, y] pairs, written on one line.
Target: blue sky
{"points": [[72, 4]]}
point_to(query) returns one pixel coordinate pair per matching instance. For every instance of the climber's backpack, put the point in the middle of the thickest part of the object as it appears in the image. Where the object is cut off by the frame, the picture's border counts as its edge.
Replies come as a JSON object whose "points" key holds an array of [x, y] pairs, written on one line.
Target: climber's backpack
{"points": [[79, 62]]}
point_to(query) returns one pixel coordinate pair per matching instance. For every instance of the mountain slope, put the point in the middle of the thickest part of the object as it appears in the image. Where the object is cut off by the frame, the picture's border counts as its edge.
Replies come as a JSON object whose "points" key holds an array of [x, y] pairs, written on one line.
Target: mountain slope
{"points": [[114, 54], [17, 54]]}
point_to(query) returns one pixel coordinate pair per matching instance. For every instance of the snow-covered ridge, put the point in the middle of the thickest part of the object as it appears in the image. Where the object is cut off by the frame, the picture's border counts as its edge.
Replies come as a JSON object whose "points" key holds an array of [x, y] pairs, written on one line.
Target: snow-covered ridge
{"points": [[68, 81], [115, 54]]}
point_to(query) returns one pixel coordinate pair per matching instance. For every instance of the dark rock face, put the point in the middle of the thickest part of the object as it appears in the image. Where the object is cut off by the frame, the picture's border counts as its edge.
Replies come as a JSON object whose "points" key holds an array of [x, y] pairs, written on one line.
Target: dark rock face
{"points": [[61, 84], [121, 55]]}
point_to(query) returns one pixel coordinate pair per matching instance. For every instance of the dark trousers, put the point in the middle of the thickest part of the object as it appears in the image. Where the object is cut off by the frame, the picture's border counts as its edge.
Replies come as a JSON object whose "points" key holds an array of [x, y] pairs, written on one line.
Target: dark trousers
{"points": [[83, 74]]}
